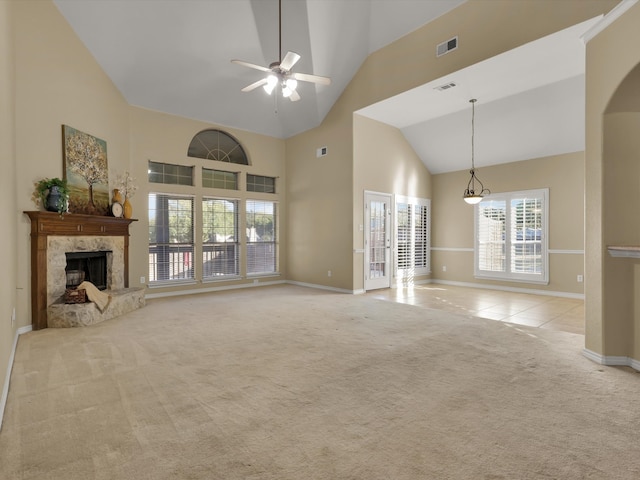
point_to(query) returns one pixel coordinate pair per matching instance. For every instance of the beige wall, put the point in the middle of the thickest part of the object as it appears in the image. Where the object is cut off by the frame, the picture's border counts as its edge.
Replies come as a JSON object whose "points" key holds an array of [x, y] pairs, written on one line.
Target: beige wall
{"points": [[610, 159], [452, 226], [319, 202], [8, 213], [485, 29], [385, 163], [57, 82], [621, 162], [165, 138]]}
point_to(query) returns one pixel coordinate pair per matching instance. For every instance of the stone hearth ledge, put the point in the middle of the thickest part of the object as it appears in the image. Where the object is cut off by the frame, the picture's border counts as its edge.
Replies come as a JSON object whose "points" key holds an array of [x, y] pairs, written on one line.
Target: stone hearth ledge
{"points": [[125, 300]]}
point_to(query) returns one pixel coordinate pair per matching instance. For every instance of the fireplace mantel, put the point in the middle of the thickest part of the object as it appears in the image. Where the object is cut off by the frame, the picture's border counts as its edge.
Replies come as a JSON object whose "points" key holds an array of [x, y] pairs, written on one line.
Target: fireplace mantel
{"points": [[45, 224]]}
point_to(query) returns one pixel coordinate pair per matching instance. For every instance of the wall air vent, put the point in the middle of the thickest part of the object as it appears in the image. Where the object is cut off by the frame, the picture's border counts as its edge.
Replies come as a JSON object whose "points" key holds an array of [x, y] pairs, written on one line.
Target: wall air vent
{"points": [[446, 47], [446, 86], [321, 152]]}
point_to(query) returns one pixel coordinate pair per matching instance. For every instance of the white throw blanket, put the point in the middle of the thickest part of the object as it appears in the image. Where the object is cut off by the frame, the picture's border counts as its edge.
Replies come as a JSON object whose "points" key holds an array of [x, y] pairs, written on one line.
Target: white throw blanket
{"points": [[100, 298]]}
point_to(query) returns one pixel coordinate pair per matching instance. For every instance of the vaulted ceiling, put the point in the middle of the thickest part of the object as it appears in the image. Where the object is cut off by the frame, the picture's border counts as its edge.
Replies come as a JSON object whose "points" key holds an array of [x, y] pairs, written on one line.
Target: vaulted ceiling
{"points": [[174, 56]]}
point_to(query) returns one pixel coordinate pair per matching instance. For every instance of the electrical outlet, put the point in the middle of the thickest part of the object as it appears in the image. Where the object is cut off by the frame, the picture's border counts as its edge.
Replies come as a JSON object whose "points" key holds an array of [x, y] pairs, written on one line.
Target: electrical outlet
{"points": [[329, 273], [444, 268], [13, 317], [580, 278], [142, 280]]}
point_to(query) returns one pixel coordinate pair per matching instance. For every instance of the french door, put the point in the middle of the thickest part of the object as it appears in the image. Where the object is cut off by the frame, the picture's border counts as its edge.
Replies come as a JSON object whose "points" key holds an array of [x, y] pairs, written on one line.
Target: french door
{"points": [[377, 241]]}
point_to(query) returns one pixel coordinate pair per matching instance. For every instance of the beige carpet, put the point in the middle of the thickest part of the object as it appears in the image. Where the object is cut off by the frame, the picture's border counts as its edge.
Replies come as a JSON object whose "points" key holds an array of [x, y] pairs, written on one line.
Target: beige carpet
{"points": [[293, 383]]}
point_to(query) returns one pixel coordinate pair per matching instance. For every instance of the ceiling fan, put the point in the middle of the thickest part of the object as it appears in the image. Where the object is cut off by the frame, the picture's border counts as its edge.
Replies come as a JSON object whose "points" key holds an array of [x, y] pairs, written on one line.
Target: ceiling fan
{"points": [[279, 73]]}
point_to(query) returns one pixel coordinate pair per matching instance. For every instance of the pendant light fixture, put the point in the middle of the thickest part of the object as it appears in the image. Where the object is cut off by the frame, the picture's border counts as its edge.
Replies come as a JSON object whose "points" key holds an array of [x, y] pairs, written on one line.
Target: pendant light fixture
{"points": [[473, 194]]}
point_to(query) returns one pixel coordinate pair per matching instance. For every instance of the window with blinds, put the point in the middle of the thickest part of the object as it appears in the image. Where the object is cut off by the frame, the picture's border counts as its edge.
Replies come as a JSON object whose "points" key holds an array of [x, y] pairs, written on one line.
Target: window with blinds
{"points": [[220, 240], [412, 240], [261, 234], [511, 236], [171, 238]]}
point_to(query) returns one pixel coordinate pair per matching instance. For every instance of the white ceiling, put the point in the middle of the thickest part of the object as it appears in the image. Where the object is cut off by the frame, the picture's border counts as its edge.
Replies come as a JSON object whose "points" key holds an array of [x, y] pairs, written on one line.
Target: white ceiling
{"points": [[530, 104], [174, 56]]}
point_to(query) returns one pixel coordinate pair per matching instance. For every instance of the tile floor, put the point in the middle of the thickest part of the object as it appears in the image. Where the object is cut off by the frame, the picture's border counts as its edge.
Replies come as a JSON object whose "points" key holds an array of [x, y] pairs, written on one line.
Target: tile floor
{"points": [[557, 313]]}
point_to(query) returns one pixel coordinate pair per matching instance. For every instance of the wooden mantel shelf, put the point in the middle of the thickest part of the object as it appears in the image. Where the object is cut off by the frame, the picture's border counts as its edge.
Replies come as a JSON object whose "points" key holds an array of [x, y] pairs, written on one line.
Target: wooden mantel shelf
{"points": [[52, 223], [44, 224], [628, 251]]}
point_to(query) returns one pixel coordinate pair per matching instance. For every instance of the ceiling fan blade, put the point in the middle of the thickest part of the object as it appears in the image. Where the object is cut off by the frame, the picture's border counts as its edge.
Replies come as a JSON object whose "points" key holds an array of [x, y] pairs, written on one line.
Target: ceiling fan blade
{"points": [[251, 65], [255, 85], [289, 61], [305, 77], [295, 96]]}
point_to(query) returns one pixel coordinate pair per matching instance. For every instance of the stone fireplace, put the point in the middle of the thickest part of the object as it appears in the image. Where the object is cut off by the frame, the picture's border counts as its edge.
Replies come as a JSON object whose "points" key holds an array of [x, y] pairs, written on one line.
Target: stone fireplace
{"points": [[59, 249], [53, 238]]}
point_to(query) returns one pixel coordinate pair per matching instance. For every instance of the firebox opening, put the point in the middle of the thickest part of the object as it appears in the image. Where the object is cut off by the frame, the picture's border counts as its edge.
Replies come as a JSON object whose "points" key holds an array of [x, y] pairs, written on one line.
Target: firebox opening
{"points": [[92, 264]]}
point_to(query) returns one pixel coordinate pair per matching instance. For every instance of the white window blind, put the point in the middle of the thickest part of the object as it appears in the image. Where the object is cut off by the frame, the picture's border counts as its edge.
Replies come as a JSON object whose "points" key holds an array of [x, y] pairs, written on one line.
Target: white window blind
{"points": [[511, 236], [171, 239], [261, 232], [412, 236], [220, 239]]}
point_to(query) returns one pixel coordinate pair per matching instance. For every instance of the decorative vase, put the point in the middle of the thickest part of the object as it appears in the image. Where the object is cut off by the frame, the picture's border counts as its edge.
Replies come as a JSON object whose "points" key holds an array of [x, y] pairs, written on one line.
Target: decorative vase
{"points": [[117, 196], [128, 209], [54, 199]]}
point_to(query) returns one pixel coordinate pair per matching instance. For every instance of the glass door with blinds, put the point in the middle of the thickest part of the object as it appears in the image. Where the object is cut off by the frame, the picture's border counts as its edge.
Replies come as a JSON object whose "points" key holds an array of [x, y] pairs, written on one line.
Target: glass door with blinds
{"points": [[377, 241]]}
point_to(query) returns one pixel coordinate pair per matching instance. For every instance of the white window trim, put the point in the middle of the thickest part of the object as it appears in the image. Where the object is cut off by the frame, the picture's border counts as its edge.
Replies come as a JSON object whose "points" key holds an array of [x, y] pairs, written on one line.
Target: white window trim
{"points": [[543, 277], [275, 243], [423, 202], [178, 281], [238, 242]]}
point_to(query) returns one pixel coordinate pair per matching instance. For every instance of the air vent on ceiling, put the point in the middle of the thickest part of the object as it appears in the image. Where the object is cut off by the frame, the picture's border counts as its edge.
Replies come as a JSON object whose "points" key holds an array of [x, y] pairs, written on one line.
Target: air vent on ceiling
{"points": [[446, 86], [446, 47]]}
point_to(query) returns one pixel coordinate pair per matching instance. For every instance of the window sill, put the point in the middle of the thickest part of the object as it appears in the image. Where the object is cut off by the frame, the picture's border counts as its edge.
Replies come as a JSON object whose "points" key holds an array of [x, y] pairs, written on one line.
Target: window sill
{"points": [[263, 275], [171, 283], [230, 278], [542, 281]]}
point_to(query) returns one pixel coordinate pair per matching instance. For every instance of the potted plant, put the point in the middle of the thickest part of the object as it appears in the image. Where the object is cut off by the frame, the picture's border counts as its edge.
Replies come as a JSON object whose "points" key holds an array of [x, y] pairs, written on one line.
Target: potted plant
{"points": [[53, 194]]}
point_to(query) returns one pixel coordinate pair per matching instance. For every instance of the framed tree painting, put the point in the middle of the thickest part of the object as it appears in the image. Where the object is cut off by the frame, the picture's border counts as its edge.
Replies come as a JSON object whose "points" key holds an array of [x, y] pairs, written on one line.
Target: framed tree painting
{"points": [[86, 171]]}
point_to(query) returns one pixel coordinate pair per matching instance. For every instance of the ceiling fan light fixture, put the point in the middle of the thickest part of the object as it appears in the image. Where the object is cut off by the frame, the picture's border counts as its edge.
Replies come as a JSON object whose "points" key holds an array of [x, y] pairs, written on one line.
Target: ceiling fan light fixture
{"points": [[291, 84], [272, 81], [472, 194], [288, 87]]}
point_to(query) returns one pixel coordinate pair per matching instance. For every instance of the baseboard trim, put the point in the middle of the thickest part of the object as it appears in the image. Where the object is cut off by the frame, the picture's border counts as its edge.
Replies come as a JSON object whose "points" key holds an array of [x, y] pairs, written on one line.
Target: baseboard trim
{"points": [[194, 291], [323, 287], [611, 360], [550, 293], [7, 378]]}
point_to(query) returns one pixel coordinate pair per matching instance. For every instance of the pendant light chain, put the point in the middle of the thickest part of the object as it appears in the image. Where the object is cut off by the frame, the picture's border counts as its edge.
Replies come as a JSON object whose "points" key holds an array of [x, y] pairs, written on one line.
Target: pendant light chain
{"points": [[473, 130], [471, 195]]}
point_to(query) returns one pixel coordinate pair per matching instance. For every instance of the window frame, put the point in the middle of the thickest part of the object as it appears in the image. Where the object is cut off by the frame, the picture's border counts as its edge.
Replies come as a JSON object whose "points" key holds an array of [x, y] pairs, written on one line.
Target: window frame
{"points": [[252, 183], [166, 176], [508, 274], [182, 247], [237, 243], [274, 242], [412, 202]]}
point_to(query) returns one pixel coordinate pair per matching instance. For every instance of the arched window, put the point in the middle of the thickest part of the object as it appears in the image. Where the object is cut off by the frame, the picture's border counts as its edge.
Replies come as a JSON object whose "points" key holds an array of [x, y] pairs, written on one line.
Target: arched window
{"points": [[217, 145]]}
